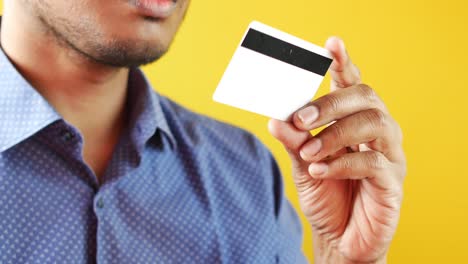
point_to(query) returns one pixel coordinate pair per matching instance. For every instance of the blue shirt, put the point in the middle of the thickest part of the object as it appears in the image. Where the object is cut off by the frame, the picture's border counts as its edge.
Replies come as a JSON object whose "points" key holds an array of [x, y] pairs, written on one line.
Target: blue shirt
{"points": [[180, 188]]}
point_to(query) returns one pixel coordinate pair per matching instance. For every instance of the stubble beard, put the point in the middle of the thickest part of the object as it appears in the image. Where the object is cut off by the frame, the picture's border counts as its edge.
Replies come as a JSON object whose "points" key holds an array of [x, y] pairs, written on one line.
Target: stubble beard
{"points": [[82, 40]]}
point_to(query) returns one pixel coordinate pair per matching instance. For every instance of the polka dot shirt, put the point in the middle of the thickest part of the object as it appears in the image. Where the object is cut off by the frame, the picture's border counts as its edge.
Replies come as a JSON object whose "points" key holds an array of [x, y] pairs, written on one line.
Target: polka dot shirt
{"points": [[180, 187]]}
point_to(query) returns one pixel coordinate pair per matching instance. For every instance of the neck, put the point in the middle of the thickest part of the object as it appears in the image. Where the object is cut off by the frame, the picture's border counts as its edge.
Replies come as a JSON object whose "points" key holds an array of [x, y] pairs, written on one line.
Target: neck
{"points": [[89, 95]]}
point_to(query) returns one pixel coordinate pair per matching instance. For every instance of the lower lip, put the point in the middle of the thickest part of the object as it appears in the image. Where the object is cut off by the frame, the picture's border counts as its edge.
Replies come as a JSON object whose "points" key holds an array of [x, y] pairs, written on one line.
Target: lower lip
{"points": [[155, 8]]}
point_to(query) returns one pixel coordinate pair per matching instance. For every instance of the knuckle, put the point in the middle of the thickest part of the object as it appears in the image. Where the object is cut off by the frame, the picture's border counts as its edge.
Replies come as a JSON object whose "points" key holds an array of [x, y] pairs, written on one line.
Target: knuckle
{"points": [[369, 94], [345, 163], [377, 118], [376, 161], [399, 133], [333, 103], [403, 172], [358, 71], [337, 132]]}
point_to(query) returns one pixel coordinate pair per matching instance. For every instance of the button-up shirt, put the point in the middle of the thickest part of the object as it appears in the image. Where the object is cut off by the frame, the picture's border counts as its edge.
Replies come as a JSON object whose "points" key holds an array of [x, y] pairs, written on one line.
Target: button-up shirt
{"points": [[180, 187]]}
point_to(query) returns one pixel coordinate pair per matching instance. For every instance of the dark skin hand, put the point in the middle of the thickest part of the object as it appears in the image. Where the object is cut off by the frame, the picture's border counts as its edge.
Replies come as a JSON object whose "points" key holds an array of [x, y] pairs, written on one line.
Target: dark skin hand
{"points": [[349, 177]]}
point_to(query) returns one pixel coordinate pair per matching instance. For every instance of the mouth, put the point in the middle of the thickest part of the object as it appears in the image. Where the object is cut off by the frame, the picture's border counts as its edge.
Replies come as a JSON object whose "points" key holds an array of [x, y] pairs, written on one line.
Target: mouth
{"points": [[155, 9]]}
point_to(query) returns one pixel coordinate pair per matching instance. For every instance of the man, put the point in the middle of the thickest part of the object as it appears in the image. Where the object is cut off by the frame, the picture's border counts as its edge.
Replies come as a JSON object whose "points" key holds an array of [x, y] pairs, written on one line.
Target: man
{"points": [[96, 167]]}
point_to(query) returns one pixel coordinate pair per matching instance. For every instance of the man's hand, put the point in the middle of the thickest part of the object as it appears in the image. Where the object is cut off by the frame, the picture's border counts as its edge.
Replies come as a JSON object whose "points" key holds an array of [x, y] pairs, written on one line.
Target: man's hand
{"points": [[350, 175]]}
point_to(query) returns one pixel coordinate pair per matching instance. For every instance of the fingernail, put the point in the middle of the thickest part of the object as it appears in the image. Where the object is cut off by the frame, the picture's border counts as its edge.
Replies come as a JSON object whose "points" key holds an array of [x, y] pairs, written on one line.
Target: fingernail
{"points": [[308, 115], [311, 149], [318, 169]]}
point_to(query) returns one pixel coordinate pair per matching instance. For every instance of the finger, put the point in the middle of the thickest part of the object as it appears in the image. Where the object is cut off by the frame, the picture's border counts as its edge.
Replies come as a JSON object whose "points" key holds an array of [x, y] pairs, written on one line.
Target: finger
{"points": [[370, 126], [344, 72], [354, 166], [288, 134], [293, 139], [337, 105]]}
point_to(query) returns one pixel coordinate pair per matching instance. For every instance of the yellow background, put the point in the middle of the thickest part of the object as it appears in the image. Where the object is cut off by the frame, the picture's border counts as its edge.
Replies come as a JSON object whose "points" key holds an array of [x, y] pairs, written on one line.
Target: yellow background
{"points": [[414, 53]]}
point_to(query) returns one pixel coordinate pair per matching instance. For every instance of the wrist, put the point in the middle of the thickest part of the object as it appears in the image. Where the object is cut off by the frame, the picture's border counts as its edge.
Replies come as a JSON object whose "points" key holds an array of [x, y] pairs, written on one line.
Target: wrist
{"points": [[327, 252]]}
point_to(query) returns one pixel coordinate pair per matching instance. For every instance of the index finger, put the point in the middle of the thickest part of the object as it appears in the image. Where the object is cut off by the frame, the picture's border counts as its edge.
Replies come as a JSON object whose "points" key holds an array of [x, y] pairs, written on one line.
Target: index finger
{"points": [[344, 73]]}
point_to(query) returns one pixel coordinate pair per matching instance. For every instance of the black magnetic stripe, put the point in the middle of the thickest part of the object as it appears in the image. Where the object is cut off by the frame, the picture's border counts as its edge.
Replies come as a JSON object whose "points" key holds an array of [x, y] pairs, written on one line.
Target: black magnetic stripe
{"points": [[286, 52]]}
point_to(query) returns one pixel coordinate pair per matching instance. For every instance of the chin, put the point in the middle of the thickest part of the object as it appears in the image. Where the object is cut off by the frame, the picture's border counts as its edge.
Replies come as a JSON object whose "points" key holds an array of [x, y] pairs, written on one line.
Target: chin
{"points": [[130, 48]]}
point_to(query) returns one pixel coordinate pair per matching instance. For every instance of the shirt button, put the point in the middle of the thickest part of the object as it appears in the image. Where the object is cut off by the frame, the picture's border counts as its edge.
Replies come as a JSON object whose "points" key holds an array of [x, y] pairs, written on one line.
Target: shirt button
{"points": [[100, 203], [67, 135], [139, 129]]}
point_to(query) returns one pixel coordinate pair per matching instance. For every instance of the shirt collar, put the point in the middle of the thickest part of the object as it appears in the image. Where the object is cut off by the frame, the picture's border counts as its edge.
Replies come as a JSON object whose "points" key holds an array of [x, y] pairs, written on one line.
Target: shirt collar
{"points": [[146, 115], [23, 111]]}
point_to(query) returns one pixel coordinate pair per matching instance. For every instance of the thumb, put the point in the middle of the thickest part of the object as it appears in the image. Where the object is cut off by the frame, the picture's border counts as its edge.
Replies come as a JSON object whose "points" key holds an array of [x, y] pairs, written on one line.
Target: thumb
{"points": [[293, 139], [344, 72]]}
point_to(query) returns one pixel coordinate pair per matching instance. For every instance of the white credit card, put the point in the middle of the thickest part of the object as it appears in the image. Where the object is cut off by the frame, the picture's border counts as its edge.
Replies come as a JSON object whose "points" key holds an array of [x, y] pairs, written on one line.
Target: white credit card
{"points": [[272, 73]]}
